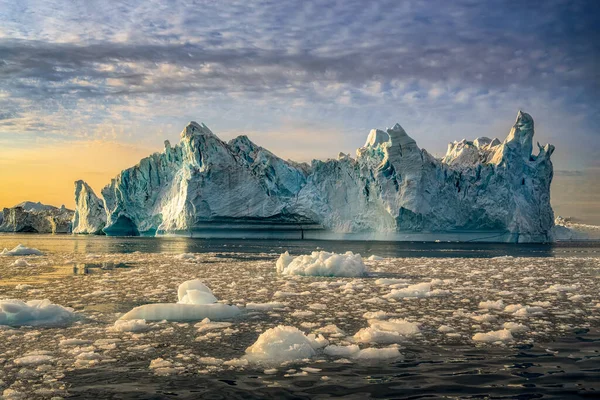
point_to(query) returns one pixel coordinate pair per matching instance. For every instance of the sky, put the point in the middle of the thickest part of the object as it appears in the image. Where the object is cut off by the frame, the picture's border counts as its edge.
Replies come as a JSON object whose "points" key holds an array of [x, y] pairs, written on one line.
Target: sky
{"points": [[88, 87]]}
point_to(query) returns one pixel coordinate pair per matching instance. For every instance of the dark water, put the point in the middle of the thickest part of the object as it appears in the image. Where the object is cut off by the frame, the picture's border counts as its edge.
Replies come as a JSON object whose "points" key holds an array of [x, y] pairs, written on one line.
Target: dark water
{"points": [[104, 245], [565, 369]]}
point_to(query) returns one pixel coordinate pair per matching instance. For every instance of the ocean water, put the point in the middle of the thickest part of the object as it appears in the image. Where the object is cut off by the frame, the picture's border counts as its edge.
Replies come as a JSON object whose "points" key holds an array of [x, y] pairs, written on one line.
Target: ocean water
{"points": [[547, 295]]}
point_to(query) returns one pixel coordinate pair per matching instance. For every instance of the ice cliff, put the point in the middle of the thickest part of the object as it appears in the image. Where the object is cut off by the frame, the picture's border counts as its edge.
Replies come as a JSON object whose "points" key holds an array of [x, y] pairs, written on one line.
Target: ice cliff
{"points": [[36, 218], [390, 187]]}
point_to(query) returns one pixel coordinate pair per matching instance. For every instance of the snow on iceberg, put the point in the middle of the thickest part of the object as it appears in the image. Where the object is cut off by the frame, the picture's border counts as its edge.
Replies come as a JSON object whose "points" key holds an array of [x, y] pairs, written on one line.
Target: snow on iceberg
{"points": [[33, 313], [196, 302], [284, 344], [21, 250], [322, 263]]}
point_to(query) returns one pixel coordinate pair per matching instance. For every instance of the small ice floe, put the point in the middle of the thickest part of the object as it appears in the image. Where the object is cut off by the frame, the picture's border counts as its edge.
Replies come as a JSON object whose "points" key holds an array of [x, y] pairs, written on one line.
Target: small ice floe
{"points": [[33, 360], [373, 257], [418, 290], [131, 325], [21, 250], [33, 313], [162, 366], [196, 302], [371, 353], [21, 262], [503, 335], [185, 256], [520, 310], [322, 263], [284, 344], [492, 305], [264, 306], [384, 332], [515, 327]]}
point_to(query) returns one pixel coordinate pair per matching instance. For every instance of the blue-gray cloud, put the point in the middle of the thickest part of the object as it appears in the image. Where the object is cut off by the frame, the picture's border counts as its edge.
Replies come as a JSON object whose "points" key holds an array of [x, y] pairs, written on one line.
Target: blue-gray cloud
{"points": [[97, 62]]}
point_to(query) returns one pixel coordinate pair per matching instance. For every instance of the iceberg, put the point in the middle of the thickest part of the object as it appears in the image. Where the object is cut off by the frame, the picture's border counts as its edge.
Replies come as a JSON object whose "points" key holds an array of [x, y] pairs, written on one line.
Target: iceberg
{"points": [[36, 218], [33, 313], [322, 263], [196, 302], [90, 215], [481, 190]]}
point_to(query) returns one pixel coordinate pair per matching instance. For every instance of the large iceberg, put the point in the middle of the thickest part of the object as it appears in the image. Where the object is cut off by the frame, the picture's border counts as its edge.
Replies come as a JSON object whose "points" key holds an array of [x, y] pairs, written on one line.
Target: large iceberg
{"points": [[36, 218], [90, 215], [482, 189]]}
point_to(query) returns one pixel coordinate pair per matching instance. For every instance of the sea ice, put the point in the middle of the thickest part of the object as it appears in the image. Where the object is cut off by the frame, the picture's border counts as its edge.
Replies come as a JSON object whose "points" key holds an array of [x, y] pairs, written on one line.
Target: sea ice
{"points": [[503, 335], [322, 263], [196, 302], [33, 313], [21, 250], [132, 325], [390, 331], [283, 344]]}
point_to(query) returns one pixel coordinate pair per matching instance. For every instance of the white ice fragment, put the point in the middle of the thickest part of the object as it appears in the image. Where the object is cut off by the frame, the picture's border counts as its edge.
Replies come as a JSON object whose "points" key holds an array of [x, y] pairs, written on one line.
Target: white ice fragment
{"points": [[342, 351], [264, 306], [282, 344], [492, 305], [21, 250], [33, 313], [322, 263], [182, 312], [33, 360], [503, 335], [195, 292], [132, 325], [390, 331], [384, 353]]}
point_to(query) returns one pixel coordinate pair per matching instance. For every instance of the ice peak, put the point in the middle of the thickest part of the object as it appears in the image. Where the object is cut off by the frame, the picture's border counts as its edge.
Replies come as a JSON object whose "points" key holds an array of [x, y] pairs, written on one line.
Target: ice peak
{"points": [[399, 137], [521, 133], [194, 128], [376, 137]]}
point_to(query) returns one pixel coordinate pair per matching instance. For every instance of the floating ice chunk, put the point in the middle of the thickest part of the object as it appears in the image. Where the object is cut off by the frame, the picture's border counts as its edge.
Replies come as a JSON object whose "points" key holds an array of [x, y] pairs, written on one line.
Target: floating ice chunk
{"points": [[390, 281], [33, 313], [196, 302], [379, 354], [342, 351], [445, 329], [515, 327], [561, 288], [20, 262], [503, 335], [132, 325], [282, 344], [21, 250], [73, 342], [207, 325], [322, 263], [33, 360], [374, 258], [418, 290], [383, 332], [331, 329], [195, 292], [162, 366], [523, 311], [182, 312], [492, 305], [264, 306]]}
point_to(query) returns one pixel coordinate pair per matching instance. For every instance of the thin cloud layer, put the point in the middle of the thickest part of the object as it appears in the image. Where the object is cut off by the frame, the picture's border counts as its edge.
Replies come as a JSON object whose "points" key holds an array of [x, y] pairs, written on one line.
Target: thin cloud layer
{"points": [[289, 71]]}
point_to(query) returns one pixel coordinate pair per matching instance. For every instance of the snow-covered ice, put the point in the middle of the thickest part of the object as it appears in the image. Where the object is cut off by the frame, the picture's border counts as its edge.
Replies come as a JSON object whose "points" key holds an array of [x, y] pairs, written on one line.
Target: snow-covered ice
{"points": [[284, 344], [21, 250], [322, 263], [33, 312]]}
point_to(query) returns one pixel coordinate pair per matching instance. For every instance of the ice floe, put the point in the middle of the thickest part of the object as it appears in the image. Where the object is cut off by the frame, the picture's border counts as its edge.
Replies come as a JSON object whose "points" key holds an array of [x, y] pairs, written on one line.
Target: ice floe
{"points": [[21, 250], [322, 263], [33, 313], [284, 344]]}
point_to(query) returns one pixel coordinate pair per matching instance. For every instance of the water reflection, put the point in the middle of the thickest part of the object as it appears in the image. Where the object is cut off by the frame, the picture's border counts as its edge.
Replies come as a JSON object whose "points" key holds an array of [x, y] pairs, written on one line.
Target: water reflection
{"points": [[87, 268], [86, 244]]}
